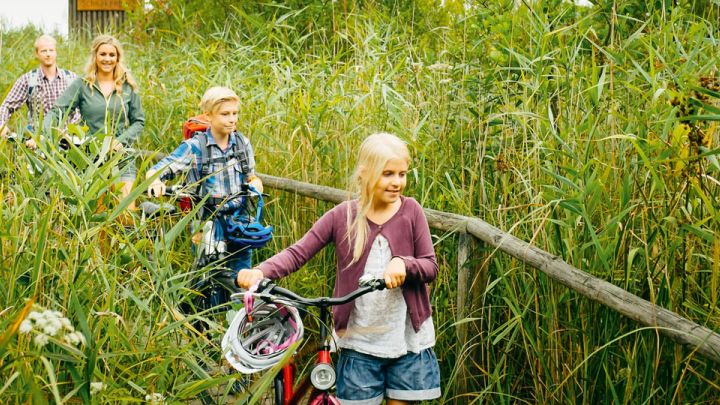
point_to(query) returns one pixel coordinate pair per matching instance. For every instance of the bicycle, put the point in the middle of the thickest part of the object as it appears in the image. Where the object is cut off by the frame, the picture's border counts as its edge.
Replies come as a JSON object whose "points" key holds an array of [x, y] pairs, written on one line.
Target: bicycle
{"points": [[322, 376], [240, 214]]}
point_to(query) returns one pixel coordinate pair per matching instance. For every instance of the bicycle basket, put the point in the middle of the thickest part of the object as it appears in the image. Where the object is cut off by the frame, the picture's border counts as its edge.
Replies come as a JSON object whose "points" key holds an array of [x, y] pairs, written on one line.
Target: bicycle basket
{"points": [[258, 342]]}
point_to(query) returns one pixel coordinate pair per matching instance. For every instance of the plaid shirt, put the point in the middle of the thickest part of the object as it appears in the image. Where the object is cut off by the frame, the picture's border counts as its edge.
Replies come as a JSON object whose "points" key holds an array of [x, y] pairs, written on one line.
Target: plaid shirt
{"points": [[45, 94], [223, 179]]}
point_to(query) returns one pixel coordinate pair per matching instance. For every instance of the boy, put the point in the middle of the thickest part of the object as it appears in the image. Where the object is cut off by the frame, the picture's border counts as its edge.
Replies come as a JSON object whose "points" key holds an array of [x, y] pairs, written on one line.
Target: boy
{"points": [[230, 164]]}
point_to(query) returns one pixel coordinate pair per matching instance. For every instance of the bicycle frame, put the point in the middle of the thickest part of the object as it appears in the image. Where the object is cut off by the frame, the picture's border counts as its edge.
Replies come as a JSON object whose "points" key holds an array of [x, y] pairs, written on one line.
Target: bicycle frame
{"points": [[322, 376]]}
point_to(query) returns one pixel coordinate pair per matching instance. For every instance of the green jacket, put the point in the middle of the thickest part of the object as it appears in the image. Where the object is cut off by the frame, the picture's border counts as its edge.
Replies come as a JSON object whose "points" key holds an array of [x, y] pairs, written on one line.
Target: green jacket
{"points": [[118, 115]]}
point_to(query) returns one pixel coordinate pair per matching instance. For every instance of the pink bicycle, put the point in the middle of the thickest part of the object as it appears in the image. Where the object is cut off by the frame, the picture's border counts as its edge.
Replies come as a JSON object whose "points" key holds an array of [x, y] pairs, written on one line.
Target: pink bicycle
{"points": [[261, 332]]}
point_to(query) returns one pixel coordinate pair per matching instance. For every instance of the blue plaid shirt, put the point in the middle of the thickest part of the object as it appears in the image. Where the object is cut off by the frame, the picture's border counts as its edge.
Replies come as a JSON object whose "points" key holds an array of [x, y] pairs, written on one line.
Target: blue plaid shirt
{"points": [[223, 179]]}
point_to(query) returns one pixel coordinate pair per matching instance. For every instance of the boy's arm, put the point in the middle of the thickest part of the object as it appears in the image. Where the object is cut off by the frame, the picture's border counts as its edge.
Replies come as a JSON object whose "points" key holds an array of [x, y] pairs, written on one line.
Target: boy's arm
{"points": [[179, 161]]}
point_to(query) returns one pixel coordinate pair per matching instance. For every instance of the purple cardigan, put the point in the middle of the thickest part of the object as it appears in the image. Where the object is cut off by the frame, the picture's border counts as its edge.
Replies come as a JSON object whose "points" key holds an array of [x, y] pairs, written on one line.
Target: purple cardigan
{"points": [[408, 235]]}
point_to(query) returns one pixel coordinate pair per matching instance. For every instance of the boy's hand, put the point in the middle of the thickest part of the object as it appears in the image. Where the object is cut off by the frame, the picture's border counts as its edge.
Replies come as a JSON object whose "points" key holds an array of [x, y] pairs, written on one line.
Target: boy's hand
{"points": [[395, 273], [116, 146], [30, 143], [156, 188], [257, 184], [249, 277]]}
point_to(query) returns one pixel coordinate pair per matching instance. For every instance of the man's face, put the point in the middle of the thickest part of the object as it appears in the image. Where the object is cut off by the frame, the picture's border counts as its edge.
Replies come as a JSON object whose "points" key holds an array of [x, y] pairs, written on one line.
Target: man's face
{"points": [[46, 53]]}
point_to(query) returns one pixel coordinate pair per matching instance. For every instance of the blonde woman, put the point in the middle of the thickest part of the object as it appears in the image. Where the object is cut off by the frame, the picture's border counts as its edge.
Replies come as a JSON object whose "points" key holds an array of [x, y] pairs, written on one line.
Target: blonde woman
{"points": [[108, 100], [386, 337]]}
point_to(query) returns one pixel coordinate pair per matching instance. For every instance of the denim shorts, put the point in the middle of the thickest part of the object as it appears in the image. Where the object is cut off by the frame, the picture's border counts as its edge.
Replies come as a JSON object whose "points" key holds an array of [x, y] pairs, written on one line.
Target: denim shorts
{"points": [[366, 379]]}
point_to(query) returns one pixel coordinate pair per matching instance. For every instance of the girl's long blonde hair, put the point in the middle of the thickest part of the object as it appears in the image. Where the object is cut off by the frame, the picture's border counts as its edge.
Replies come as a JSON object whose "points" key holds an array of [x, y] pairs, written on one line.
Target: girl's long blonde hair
{"points": [[375, 152], [121, 73]]}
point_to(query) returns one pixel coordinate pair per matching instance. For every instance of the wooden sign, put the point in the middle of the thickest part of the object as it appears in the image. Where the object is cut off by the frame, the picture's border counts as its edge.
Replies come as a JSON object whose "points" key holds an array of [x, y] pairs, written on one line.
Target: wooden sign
{"points": [[104, 5]]}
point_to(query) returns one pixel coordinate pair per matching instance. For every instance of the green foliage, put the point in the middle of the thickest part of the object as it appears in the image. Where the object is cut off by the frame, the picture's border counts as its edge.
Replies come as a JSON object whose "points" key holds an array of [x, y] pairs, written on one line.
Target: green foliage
{"points": [[589, 132]]}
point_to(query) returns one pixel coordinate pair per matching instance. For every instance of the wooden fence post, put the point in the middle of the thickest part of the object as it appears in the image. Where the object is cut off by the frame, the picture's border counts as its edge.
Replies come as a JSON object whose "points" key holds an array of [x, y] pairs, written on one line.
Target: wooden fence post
{"points": [[471, 281]]}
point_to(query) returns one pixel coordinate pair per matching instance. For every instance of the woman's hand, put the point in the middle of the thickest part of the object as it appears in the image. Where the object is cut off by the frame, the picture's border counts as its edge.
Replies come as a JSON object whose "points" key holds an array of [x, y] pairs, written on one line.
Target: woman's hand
{"points": [[249, 277], [395, 273]]}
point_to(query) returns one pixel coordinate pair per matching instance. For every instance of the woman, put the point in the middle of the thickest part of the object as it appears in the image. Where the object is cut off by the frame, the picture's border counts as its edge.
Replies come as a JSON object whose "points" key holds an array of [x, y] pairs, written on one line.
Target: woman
{"points": [[108, 101]]}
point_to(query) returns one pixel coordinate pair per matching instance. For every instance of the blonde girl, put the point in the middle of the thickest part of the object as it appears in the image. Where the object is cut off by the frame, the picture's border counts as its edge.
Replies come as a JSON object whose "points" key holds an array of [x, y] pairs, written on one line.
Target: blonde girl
{"points": [[386, 338]]}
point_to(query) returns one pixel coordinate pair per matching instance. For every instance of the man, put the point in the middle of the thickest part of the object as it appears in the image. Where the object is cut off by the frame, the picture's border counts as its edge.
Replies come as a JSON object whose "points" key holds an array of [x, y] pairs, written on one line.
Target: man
{"points": [[38, 88]]}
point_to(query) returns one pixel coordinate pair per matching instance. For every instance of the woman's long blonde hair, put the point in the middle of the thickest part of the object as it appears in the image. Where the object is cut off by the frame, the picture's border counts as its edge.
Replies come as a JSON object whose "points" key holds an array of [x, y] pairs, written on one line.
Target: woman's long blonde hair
{"points": [[121, 73], [375, 152]]}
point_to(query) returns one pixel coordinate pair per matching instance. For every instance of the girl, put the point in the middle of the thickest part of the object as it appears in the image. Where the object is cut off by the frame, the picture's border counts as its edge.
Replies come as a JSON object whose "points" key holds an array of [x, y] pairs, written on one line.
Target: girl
{"points": [[108, 102], [387, 337]]}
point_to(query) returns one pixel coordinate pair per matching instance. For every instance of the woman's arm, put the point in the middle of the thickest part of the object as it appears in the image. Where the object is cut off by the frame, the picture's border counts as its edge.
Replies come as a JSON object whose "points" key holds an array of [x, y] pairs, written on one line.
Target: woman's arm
{"points": [[68, 101], [136, 119]]}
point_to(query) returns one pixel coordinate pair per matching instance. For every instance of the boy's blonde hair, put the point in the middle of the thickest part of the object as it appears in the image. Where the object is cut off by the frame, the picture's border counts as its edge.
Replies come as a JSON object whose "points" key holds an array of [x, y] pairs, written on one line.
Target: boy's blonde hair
{"points": [[375, 152], [214, 96], [44, 38]]}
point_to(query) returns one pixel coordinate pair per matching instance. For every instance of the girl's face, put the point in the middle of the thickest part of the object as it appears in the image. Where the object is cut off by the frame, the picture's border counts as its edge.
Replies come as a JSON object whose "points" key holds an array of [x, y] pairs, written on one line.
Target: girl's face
{"points": [[106, 58], [391, 183], [224, 118]]}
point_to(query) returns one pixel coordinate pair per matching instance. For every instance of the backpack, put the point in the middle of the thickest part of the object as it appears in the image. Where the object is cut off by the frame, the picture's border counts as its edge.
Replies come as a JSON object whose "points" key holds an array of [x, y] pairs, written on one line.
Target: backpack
{"points": [[197, 127], [33, 82]]}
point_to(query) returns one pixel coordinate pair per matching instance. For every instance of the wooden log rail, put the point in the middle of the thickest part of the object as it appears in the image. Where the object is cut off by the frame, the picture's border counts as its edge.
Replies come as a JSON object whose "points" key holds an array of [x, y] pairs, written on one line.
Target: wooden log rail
{"points": [[672, 325]]}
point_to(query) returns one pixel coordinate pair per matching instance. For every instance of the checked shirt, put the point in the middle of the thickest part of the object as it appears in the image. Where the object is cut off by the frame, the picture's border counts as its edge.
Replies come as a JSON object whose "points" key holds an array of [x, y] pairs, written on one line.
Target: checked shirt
{"points": [[43, 96]]}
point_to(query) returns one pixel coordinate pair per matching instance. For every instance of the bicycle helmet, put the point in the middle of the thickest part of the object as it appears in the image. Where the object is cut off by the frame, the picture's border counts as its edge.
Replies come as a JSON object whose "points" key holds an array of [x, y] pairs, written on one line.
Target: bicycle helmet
{"points": [[258, 341], [246, 230]]}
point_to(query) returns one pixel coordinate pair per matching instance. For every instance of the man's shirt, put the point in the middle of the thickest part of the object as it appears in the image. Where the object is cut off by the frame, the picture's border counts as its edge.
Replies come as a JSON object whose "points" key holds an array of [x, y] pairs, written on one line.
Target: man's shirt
{"points": [[43, 97]]}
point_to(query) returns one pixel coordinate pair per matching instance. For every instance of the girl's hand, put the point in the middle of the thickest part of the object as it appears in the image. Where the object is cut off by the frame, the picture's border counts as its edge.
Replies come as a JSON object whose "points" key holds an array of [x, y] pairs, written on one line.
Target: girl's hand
{"points": [[249, 277], [394, 273]]}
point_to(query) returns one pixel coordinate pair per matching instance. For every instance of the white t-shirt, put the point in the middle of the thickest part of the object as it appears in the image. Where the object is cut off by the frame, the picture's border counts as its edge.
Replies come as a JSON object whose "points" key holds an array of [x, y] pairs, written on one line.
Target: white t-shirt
{"points": [[379, 323]]}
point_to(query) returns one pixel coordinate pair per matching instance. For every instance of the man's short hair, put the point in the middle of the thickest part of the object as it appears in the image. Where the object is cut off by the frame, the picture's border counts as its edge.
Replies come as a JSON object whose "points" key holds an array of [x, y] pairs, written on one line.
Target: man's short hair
{"points": [[44, 38]]}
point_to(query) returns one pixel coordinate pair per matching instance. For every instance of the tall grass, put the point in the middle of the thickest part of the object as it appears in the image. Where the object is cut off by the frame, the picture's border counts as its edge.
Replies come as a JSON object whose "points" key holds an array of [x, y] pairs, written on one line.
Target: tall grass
{"points": [[576, 130]]}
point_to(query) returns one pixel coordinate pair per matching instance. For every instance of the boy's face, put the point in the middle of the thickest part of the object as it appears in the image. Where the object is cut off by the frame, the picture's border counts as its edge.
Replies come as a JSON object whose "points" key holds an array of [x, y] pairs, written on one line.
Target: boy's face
{"points": [[223, 118]]}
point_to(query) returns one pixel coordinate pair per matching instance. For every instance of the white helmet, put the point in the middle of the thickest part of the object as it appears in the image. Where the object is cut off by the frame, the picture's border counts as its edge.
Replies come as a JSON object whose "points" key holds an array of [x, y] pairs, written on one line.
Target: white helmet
{"points": [[258, 342]]}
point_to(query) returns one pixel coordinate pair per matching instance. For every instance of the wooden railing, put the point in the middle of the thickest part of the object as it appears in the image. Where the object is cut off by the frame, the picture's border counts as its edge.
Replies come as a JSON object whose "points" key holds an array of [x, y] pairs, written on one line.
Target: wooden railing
{"points": [[470, 286]]}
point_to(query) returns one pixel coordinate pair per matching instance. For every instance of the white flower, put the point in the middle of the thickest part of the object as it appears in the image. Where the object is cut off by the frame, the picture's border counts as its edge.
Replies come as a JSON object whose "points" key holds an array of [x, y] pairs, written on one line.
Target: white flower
{"points": [[440, 66], [155, 398], [96, 387], [41, 339], [66, 324], [75, 338], [25, 327], [34, 316], [52, 327]]}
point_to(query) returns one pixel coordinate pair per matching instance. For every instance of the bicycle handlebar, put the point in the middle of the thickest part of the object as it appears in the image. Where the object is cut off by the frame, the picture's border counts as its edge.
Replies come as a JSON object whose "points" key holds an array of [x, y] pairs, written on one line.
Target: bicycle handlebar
{"points": [[267, 290]]}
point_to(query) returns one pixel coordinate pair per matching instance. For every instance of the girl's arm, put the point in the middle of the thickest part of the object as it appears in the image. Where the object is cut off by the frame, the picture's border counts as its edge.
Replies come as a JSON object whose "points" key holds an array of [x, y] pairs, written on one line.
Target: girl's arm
{"points": [[292, 257], [422, 267], [136, 118]]}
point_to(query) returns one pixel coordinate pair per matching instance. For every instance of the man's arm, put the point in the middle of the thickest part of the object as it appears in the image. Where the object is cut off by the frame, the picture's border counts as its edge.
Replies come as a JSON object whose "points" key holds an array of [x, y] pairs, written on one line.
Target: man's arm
{"points": [[17, 96]]}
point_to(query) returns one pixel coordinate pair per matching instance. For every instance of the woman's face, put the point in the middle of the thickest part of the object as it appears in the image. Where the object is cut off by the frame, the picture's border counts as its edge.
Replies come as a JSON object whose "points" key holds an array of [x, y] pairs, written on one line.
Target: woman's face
{"points": [[106, 58]]}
